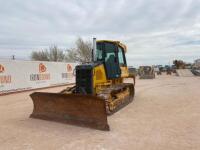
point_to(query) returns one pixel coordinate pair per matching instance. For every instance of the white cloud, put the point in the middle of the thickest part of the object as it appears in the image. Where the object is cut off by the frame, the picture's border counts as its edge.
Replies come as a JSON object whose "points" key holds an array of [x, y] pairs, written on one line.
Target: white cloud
{"points": [[155, 31]]}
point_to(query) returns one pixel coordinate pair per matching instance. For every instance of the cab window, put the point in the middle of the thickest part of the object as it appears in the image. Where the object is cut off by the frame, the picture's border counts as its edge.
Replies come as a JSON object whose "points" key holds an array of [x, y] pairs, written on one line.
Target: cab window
{"points": [[110, 51], [121, 56], [99, 51]]}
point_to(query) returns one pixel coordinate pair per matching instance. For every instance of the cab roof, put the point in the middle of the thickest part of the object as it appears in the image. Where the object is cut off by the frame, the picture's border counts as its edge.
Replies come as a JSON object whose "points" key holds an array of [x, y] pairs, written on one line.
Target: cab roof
{"points": [[115, 42]]}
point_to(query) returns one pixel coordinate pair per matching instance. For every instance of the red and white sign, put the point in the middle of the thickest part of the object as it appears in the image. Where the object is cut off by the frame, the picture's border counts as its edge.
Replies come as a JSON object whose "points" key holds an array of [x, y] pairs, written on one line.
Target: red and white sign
{"points": [[25, 75], [42, 68], [4, 78], [2, 69], [69, 68]]}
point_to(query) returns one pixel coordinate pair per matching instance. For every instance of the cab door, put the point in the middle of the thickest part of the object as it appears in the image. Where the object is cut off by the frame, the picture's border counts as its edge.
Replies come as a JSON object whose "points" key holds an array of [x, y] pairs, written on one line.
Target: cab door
{"points": [[122, 62], [111, 60]]}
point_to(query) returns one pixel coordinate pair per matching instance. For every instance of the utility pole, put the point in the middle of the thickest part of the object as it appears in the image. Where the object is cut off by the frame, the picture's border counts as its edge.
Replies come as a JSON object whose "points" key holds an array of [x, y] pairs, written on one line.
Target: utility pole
{"points": [[13, 57]]}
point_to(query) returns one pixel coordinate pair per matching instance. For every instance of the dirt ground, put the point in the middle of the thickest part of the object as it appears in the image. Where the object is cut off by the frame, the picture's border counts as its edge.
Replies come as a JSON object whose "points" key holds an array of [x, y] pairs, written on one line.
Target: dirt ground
{"points": [[165, 114]]}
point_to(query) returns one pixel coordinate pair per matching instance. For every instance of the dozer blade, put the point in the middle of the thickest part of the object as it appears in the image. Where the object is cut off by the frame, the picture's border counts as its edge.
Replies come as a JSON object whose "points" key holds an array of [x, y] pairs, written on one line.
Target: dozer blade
{"points": [[81, 110]]}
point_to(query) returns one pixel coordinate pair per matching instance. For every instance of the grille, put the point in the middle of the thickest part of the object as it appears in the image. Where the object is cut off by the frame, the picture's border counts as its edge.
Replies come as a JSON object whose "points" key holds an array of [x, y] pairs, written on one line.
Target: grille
{"points": [[84, 79]]}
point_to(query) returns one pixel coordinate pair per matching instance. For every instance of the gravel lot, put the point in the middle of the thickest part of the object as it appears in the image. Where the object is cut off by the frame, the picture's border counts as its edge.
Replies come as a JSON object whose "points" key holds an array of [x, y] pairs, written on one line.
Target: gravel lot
{"points": [[165, 114]]}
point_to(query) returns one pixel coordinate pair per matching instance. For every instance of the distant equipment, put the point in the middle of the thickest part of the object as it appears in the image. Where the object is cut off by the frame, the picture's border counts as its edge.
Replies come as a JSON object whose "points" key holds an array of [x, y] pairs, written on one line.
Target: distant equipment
{"points": [[132, 71], [146, 72], [196, 68], [157, 69], [179, 64]]}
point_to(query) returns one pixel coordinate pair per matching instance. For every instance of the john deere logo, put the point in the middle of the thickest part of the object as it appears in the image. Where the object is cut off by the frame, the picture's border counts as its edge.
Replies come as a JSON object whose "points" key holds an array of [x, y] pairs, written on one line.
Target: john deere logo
{"points": [[42, 68], [69, 68], [2, 69]]}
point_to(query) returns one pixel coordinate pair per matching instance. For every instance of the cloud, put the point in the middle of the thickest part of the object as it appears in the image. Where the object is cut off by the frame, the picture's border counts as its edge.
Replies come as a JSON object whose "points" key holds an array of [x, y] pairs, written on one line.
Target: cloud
{"points": [[154, 31]]}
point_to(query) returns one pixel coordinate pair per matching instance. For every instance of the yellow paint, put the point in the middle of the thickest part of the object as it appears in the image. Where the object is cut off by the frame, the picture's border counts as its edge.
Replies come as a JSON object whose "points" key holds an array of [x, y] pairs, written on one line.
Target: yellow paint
{"points": [[115, 42], [99, 78], [99, 75], [120, 97], [100, 81], [124, 72]]}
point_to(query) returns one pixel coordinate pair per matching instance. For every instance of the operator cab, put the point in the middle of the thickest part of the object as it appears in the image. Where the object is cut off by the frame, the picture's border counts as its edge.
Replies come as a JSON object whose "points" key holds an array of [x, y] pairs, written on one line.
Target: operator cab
{"points": [[112, 54]]}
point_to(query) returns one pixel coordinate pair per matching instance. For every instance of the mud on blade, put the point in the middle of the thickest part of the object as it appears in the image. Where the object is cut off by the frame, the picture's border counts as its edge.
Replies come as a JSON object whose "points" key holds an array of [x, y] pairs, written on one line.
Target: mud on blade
{"points": [[81, 110]]}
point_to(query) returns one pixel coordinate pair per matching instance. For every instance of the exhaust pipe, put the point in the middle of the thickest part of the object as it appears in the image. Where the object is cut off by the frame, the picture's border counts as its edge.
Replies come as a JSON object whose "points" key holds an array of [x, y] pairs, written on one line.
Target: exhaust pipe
{"points": [[94, 49]]}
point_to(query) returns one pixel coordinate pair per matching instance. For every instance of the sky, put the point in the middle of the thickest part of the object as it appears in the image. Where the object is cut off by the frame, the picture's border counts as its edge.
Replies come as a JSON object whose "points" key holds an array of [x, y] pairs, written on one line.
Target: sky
{"points": [[155, 31]]}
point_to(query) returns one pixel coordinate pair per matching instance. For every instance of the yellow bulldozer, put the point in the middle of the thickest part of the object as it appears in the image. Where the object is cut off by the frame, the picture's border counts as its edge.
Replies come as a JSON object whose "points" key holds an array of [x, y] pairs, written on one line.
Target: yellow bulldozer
{"points": [[99, 90], [146, 72]]}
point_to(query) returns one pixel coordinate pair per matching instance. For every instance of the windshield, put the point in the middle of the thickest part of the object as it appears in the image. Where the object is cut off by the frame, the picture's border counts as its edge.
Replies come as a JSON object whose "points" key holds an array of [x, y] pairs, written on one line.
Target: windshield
{"points": [[99, 51], [121, 56], [109, 53]]}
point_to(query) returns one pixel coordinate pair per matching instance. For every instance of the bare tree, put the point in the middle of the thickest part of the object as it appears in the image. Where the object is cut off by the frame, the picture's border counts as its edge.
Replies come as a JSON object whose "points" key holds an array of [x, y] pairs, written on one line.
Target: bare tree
{"points": [[179, 64], [40, 55], [82, 52], [55, 54], [52, 54]]}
